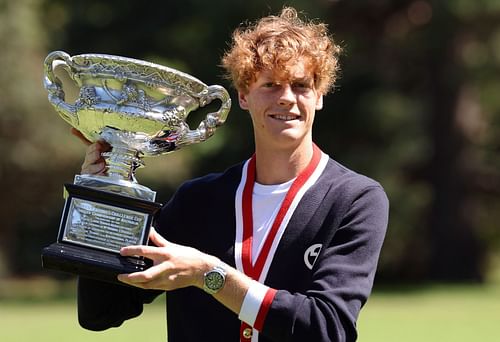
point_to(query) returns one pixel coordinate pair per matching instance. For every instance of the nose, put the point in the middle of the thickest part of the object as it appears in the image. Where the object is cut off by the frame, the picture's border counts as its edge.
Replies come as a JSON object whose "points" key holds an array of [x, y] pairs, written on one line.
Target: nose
{"points": [[286, 96]]}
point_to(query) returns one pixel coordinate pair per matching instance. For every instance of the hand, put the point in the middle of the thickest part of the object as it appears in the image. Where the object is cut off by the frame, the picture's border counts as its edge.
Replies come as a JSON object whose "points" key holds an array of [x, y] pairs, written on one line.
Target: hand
{"points": [[174, 266], [94, 163]]}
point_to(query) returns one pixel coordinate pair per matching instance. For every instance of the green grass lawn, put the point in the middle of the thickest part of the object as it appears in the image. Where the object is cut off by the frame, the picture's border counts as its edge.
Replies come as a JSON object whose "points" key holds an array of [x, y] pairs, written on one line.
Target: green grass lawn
{"points": [[435, 313], [455, 313], [57, 322]]}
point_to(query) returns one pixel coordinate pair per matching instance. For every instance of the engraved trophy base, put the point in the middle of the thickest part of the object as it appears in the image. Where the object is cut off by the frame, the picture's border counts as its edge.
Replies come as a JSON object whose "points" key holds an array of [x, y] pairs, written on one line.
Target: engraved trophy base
{"points": [[94, 226]]}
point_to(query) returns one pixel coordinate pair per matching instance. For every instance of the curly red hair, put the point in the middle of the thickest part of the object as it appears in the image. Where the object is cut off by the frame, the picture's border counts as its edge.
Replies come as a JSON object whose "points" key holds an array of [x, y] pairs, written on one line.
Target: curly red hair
{"points": [[274, 42]]}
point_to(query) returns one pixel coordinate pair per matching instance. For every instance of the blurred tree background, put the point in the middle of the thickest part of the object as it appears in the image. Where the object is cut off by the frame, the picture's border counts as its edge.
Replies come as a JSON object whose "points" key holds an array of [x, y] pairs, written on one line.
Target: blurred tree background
{"points": [[417, 108]]}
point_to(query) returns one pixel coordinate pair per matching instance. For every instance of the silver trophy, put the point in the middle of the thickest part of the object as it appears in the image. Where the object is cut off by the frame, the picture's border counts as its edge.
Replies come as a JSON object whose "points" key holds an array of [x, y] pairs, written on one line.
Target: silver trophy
{"points": [[140, 109]]}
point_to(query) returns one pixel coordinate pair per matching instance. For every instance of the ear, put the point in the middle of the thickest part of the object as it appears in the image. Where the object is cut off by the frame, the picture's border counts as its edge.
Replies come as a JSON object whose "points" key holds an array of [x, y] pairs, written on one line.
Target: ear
{"points": [[243, 101], [319, 102]]}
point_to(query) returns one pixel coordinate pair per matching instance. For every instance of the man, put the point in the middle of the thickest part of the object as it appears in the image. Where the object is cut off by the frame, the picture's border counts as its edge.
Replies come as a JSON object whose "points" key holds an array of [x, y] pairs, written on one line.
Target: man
{"points": [[284, 244]]}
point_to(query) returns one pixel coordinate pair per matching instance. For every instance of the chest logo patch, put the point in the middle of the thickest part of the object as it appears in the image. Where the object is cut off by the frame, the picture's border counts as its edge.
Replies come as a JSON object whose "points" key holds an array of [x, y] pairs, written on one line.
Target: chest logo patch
{"points": [[311, 255]]}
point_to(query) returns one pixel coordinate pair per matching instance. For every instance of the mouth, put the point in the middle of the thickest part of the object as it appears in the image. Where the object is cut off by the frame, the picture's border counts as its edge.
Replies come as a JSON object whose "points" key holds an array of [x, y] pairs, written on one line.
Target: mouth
{"points": [[285, 117]]}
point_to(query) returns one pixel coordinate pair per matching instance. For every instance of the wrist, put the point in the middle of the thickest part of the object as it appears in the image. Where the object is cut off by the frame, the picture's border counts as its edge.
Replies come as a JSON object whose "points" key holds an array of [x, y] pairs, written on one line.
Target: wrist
{"points": [[214, 279], [208, 263]]}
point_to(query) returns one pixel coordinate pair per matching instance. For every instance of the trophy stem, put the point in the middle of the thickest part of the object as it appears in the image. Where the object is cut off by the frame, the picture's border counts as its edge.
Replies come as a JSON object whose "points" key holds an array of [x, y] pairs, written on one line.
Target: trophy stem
{"points": [[122, 163]]}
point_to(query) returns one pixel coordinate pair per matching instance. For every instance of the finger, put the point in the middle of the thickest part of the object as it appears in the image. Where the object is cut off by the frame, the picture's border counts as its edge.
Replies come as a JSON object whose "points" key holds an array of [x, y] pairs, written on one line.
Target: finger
{"points": [[98, 148], [104, 145], [92, 148], [94, 163], [145, 277], [80, 136], [124, 278], [94, 169], [92, 156], [160, 283], [150, 252], [98, 167], [157, 239], [153, 284]]}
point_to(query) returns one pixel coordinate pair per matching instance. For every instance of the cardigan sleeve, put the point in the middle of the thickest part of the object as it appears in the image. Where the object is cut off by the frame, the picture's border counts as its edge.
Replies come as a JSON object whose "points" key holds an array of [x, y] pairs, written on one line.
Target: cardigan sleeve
{"points": [[342, 278], [103, 305]]}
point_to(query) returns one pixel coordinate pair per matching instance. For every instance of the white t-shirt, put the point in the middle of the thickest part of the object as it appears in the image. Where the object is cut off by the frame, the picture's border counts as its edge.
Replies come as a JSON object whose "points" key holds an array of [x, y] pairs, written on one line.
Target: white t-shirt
{"points": [[266, 202]]}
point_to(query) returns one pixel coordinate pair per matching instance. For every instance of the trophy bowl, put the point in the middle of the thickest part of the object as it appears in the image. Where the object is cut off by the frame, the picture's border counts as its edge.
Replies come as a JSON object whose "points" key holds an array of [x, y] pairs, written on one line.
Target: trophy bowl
{"points": [[140, 109]]}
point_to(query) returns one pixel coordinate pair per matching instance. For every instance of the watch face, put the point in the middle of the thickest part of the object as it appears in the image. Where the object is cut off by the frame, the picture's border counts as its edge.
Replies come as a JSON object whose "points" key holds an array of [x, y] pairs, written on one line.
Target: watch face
{"points": [[214, 280]]}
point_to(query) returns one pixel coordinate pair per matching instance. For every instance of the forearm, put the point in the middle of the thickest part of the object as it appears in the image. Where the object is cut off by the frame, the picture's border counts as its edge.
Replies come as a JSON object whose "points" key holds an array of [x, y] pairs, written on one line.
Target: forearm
{"points": [[247, 298], [235, 288]]}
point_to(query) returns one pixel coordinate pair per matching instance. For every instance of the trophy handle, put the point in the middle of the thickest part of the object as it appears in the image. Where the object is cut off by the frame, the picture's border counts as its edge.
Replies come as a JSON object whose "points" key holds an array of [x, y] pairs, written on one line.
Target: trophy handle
{"points": [[213, 120], [54, 85]]}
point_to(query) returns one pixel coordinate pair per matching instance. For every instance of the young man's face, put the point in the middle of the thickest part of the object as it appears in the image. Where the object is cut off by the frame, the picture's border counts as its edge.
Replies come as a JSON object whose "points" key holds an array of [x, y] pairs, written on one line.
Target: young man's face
{"points": [[282, 106]]}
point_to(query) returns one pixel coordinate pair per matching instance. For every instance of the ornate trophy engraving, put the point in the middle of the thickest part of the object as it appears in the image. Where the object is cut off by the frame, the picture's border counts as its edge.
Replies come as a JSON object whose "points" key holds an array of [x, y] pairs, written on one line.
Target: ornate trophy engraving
{"points": [[140, 109]]}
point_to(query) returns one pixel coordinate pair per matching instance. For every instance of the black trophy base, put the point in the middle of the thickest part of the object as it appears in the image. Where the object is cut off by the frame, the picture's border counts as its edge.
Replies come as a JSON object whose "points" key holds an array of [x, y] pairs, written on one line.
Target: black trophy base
{"points": [[95, 224], [90, 263]]}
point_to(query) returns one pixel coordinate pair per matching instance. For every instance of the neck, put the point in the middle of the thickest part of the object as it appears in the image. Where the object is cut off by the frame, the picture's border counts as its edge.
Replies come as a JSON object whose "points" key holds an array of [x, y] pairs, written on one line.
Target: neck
{"points": [[276, 166]]}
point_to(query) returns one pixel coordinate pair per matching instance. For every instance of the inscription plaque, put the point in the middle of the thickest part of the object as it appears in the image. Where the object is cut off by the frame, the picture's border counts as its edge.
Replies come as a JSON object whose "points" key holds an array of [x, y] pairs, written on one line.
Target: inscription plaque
{"points": [[103, 226]]}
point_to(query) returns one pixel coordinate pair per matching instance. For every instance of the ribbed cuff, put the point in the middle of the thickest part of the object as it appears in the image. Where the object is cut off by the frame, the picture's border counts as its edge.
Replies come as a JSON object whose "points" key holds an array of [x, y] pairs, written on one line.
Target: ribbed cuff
{"points": [[256, 304]]}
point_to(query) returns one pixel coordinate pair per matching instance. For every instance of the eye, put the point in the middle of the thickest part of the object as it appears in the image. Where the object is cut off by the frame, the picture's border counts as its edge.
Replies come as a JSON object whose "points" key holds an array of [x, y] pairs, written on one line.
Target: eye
{"points": [[301, 85], [269, 84]]}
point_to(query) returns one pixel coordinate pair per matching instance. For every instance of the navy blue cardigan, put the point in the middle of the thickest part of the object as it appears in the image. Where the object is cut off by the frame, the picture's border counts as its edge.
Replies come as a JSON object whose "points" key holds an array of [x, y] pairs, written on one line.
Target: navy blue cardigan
{"points": [[345, 212]]}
